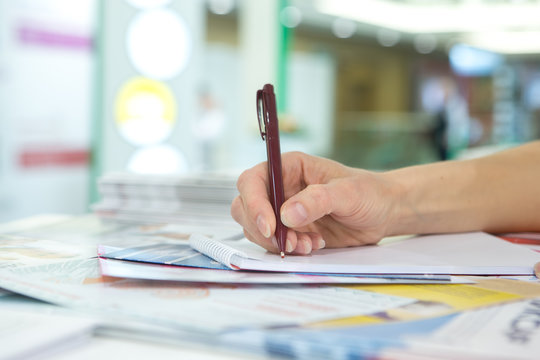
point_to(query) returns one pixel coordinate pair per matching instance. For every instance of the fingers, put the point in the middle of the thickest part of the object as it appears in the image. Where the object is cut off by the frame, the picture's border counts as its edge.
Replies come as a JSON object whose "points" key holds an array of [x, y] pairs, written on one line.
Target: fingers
{"points": [[297, 243], [537, 270], [255, 228], [252, 209]]}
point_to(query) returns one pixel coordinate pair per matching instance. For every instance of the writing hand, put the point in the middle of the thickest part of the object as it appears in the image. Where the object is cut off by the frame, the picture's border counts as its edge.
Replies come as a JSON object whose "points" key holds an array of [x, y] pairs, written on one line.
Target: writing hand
{"points": [[327, 205]]}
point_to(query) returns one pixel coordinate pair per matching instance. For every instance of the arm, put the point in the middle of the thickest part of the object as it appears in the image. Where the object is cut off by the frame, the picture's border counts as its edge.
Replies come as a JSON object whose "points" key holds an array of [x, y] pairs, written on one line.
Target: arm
{"points": [[331, 205], [497, 193]]}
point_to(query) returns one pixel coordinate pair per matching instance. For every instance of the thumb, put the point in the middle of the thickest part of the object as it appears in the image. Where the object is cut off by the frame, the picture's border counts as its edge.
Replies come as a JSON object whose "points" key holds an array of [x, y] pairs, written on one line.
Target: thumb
{"points": [[309, 205]]}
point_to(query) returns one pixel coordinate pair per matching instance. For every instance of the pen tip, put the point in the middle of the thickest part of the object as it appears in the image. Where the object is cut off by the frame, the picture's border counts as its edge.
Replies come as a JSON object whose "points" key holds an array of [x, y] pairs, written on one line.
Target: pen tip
{"points": [[282, 255]]}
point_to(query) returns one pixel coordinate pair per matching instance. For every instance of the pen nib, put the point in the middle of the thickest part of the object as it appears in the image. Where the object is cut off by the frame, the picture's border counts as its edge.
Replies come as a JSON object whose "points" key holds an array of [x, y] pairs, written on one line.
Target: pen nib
{"points": [[282, 255]]}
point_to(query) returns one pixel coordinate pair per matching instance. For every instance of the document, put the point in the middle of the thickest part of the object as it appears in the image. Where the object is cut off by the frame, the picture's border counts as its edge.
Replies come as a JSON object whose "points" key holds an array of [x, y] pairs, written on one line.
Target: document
{"points": [[475, 253], [139, 270], [197, 307], [32, 335], [20, 251], [509, 331]]}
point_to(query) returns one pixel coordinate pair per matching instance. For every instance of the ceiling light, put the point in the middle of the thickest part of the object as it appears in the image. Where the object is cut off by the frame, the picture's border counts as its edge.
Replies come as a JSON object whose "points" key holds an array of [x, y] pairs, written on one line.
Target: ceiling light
{"points": [[507, 42], [435, 17]]}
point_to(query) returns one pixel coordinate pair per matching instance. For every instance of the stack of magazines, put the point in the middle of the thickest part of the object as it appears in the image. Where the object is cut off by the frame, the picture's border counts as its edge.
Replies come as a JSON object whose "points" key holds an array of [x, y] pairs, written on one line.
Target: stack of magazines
{"points": [[197, 199]]}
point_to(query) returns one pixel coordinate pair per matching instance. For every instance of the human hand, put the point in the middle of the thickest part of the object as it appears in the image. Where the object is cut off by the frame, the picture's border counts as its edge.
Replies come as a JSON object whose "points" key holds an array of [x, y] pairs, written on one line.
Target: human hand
{"points": [[537, 270], [327, 205]]}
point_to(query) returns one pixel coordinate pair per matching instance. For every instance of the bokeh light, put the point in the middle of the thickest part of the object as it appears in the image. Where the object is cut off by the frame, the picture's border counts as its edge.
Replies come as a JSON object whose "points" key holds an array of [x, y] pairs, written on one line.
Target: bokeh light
{"points": [[159, 43], [290, 16], [221, 7], [148, 4], [158, 159], [343, 28], [145, 112]]}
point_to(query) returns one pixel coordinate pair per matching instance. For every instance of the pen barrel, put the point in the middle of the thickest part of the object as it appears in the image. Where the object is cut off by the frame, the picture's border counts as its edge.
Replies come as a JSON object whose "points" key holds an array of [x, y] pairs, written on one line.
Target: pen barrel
{"points": [[275, 180], [275, 176]]}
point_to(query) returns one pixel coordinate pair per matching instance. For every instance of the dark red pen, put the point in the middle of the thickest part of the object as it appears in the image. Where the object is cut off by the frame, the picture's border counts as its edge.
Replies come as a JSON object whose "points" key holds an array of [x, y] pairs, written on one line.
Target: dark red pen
{"points": [[268, 125]]}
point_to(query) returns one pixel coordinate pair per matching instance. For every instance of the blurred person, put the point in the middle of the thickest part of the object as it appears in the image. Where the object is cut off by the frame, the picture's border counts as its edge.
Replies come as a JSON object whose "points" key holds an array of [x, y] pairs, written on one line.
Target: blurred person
{"points": [[331, 205], [453, 129]]}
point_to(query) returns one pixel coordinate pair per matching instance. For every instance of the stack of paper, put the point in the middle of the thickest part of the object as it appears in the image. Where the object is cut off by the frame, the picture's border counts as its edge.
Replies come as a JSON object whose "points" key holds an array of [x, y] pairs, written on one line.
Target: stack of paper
{"points": [[166, 198]]}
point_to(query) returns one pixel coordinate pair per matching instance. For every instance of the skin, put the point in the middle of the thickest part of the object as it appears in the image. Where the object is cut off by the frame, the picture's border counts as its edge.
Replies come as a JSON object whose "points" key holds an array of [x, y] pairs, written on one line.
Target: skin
{"points": [[332, 205]]}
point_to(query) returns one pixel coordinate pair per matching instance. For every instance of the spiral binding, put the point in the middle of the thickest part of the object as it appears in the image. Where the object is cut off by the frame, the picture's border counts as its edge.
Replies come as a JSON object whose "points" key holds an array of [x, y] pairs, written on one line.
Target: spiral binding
{"points": [[215, 249]]}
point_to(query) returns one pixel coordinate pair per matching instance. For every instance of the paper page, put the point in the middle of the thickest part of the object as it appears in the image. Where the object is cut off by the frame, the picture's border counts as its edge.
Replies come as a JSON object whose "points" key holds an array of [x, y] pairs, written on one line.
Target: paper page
{"points": [[464, 253], [91, 230], [135, 270], [20, 251], [28, 334], [191, 307], [510, 331], [432, 300]]}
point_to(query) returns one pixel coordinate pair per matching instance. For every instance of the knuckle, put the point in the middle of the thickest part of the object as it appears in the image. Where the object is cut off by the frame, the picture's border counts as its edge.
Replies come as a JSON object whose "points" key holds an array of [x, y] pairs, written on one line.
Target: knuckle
{"points": [[242, 179], [236, 208], [251, 207]]}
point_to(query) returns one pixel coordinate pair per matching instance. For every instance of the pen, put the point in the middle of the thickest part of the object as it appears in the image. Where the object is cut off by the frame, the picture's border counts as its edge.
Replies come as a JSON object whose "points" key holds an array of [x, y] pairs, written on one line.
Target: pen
{"points": [[268, 126]]}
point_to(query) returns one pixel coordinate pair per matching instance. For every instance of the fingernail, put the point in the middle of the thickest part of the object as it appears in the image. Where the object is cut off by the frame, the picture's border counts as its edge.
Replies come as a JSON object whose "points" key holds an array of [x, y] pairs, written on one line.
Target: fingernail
{"points": [[263, 227], [307, 247], [320, 243], [288, 246], [294, 215]]}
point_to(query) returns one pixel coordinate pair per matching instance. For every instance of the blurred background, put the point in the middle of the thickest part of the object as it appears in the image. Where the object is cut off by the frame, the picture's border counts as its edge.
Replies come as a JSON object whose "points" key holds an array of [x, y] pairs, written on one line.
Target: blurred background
{"points": [[89, 87]]}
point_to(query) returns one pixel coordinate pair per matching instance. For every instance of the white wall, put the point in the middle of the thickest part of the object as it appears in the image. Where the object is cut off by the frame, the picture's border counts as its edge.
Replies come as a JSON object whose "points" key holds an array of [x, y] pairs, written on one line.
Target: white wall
{"points": [[45, 87]]}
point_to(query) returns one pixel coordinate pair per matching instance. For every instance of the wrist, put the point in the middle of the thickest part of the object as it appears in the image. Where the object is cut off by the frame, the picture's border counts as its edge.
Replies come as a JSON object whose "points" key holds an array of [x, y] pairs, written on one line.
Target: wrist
{"points": [[402, 214]]}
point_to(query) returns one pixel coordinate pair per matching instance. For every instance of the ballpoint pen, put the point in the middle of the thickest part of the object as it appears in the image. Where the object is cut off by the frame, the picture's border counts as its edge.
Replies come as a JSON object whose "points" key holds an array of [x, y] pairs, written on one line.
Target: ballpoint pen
{"points": [[268, 126]]}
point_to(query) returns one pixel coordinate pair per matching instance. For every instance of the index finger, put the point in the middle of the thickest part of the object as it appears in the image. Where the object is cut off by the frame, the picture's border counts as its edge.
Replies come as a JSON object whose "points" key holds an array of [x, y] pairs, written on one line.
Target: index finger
{"points": [[252, 185]]}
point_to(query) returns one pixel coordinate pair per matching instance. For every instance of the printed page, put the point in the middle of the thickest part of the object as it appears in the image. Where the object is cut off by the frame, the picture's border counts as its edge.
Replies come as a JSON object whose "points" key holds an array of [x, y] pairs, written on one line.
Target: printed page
{"points": [[28, 334], [435, 300], [138, 270], [195, 307], [508, 331], [21, 251], [91, 230], [511, 331]]}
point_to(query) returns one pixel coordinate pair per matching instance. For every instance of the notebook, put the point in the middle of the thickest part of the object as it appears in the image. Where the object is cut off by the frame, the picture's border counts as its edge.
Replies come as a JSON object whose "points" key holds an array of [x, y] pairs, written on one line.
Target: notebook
{"points": [[475, 253]]}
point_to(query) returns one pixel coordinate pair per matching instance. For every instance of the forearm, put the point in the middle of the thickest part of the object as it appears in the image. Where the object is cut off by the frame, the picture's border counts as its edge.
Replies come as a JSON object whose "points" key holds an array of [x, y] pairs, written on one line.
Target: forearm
{"points": [[498, 193]]}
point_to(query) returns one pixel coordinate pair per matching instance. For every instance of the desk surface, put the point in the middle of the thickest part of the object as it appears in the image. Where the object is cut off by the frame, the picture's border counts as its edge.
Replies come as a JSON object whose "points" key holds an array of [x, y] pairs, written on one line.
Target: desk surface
{"points": [[99, 346], [117, 348]]}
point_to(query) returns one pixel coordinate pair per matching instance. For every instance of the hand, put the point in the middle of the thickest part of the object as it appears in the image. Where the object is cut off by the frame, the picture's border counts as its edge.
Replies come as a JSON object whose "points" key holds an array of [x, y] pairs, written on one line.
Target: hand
{"points": [[327, 205], [537, 270]]}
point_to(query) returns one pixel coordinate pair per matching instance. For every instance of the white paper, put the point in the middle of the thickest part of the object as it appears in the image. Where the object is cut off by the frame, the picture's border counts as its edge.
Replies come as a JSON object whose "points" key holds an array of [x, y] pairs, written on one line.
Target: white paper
{"points": [[196, 307], [458, 254], [509, 331], [26, 334], [135, 270]]}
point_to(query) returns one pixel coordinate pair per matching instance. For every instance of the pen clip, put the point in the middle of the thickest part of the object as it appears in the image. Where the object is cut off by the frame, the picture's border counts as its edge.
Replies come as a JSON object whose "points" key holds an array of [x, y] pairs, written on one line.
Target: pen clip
{"points": [[260, 114]]}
